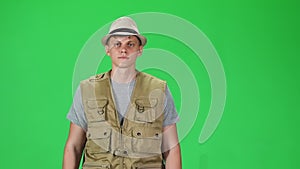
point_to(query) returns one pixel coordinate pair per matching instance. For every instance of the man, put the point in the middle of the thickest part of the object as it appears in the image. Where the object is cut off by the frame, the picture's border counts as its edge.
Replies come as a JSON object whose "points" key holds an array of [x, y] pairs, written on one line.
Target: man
{"points": [[123, 119]]}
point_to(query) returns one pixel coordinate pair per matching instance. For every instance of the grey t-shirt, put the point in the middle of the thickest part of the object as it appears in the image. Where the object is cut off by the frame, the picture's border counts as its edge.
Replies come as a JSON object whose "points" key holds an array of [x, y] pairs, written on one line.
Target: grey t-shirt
{"points": [[122, 93]]}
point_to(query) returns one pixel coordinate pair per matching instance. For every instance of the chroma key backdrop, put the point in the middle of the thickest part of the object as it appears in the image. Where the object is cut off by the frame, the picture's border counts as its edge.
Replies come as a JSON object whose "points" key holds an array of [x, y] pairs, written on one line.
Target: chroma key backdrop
{"points": [[231, 66]]}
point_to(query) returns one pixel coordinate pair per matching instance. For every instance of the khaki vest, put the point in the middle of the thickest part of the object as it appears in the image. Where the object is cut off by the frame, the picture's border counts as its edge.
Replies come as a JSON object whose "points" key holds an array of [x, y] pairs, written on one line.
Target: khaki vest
{"points": [[135, 144]]}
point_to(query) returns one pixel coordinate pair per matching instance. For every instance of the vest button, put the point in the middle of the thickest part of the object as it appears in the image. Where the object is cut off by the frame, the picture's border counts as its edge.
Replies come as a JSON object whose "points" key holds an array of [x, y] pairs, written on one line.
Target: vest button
{"points": [[100, 111], [141, 109]]}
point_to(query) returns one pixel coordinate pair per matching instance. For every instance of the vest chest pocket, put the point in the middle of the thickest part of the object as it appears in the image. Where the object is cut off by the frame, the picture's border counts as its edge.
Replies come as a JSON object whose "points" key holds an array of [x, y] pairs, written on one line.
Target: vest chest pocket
{"points": [[96, 110], [98, 140], [145, 110], [146, 141]]}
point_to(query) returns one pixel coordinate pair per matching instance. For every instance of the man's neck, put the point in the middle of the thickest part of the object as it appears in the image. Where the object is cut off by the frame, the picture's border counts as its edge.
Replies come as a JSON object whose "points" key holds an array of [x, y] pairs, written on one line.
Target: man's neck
{"points": [[123, 75]]}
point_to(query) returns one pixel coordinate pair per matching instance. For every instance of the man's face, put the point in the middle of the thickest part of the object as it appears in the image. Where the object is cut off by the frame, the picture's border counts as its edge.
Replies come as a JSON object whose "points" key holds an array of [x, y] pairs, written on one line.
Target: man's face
{"points": [[123, 50]]}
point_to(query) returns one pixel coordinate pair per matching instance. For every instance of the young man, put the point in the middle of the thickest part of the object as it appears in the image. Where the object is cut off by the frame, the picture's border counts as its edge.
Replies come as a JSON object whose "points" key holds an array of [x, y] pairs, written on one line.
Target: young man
{"points": [[123, 119]]}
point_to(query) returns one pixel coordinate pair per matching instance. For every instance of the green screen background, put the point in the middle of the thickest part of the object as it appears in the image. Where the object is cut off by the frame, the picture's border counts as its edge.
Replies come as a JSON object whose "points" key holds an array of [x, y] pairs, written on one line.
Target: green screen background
{"points": [[258, 44]]}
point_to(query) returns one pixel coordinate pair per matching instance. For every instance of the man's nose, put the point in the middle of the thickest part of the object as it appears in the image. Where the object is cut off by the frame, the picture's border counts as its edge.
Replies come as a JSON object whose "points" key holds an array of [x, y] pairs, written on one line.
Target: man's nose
{"points": [[123, 49]]}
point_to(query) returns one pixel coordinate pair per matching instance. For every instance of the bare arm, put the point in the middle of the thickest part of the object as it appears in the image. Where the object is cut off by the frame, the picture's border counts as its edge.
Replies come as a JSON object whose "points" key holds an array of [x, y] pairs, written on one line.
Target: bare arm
{"points": [[74, 147], [171, 147]]}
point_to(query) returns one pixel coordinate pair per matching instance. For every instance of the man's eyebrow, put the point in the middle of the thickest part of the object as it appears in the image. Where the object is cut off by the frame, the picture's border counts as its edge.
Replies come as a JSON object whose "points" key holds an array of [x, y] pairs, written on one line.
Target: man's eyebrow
{"points": [[131, 41], [115, 40], [127, 41]]}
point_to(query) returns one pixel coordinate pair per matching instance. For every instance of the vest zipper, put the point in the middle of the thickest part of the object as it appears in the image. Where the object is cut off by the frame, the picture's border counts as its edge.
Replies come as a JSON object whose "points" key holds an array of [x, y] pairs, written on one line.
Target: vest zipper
{"points": [[119, 124], [122, 145]]}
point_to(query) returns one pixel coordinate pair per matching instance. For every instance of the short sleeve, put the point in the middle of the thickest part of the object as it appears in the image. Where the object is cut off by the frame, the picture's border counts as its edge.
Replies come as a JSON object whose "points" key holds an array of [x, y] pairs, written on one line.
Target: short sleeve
{"points": [[170, 113], [76, 113]]}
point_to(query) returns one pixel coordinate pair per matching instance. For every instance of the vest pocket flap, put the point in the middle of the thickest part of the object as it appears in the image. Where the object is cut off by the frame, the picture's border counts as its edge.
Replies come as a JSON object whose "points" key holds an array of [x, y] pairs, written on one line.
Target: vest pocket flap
{"points": [[146, 133], [98, 140], [146, 103], [93, 104], [102, 167], [98, 133], [146, 110], [96, 110], [148, 166], [146, 141], [96, 165]]}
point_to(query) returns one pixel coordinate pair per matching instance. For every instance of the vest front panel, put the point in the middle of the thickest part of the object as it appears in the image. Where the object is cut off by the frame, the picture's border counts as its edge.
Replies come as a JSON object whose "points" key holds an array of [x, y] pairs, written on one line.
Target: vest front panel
{"points": [[137, 142]]}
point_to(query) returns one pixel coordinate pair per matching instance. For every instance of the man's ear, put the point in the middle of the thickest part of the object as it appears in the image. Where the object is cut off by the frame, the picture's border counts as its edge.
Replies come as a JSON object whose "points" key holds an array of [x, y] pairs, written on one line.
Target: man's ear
{"points": [[107, 50], [140, 51]]}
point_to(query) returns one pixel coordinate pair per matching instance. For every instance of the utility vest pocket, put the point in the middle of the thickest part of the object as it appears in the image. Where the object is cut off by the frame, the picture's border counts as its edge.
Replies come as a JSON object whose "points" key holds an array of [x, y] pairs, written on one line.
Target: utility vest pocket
{"points": [[98, 140], [145, 110], [96, 165], [146, 140], [148, 166], [96, 110]]}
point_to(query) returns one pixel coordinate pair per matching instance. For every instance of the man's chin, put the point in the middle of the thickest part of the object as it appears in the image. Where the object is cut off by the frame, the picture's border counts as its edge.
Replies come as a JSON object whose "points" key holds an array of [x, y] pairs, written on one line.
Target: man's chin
{"points": [[123, 66]]}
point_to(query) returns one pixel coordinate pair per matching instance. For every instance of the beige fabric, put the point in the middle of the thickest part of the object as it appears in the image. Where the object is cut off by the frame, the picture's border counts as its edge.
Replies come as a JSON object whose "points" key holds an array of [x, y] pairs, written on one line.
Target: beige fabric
{"points": [[135, 144]]}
